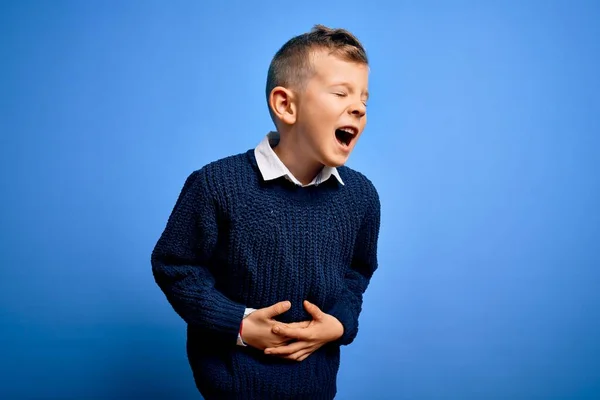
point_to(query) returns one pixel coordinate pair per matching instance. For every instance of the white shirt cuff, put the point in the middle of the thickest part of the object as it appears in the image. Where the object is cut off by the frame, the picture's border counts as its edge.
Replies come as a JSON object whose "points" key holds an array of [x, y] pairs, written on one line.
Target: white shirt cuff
{"points": [[247, 312]]}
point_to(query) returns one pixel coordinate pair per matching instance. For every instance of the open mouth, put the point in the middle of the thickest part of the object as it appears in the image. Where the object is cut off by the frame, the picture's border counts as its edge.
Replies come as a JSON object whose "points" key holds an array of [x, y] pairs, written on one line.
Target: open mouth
{"points": [[345, 135]]}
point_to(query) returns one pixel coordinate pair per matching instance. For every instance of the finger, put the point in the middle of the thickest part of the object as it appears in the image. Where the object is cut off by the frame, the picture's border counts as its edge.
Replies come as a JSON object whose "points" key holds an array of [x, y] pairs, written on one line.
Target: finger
{"points": [[303, 354], [287, 350], [293, 333], [283, 342], [313, 310], [300, 355], [278, 308]]}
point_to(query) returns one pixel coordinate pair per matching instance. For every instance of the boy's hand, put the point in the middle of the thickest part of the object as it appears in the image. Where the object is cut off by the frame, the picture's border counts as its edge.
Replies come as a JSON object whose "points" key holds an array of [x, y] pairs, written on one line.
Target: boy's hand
{"points": [[322, 329], [258, 327]]}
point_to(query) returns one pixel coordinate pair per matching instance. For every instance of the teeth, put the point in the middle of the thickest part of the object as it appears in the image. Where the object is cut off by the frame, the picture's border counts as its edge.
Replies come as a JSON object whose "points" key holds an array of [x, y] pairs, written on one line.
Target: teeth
{"points": [[348, 130]]}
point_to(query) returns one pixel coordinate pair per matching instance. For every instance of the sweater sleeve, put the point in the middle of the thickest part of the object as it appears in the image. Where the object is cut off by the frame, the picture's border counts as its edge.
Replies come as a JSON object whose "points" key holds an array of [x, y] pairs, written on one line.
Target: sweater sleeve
{"points": [[364, 263], [180, 262]]}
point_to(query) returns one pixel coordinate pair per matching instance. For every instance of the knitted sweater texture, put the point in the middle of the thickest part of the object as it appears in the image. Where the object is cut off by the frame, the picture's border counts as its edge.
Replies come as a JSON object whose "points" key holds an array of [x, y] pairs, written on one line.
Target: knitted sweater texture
{"points": [[234, 241]]}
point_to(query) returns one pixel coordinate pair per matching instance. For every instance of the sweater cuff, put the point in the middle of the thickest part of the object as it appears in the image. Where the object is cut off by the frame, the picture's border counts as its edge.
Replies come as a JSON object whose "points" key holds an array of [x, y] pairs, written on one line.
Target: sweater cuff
{"points": [[223, 316], [343, 314]]}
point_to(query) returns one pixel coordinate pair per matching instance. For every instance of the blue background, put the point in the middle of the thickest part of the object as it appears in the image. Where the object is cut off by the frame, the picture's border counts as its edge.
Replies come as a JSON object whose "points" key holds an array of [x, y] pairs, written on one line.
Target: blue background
{"points": [[483, 140]]}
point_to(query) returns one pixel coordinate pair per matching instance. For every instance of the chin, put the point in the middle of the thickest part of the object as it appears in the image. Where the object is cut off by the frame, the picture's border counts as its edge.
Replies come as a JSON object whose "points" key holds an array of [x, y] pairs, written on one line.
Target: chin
{"points": [[335, 161]]}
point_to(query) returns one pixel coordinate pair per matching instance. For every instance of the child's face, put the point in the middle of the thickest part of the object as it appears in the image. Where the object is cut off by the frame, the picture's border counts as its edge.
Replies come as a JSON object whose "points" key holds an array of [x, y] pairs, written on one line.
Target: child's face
{"points": [[334, 100]]}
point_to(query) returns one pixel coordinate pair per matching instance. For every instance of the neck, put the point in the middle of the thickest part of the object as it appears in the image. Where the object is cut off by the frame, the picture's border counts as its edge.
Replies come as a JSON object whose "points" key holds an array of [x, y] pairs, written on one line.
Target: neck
{"points": [[300, 165]]}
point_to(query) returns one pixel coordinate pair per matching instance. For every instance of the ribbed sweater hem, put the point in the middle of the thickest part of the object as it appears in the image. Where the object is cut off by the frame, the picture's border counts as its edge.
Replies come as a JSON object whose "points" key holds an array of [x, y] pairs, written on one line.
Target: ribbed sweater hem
{"points": [[326, 393]]}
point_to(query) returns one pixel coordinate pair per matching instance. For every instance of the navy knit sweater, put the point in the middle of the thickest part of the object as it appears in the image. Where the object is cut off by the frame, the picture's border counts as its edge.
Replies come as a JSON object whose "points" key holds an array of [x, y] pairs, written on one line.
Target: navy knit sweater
{"points": [[234, 241]]}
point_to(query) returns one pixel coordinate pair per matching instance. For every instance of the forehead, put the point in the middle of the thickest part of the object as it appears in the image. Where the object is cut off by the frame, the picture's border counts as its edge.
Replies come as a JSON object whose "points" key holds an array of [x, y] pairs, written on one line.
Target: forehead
{"points": [[329, 68]]}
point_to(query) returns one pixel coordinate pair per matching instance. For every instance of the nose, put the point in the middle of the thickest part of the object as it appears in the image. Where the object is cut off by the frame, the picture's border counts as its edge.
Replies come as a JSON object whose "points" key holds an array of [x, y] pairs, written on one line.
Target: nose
{"points": [[358, 109]]}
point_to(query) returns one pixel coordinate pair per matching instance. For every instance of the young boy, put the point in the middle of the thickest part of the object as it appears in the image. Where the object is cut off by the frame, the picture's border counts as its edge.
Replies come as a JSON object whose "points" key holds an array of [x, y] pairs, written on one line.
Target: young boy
{"points": [[267, 253]]}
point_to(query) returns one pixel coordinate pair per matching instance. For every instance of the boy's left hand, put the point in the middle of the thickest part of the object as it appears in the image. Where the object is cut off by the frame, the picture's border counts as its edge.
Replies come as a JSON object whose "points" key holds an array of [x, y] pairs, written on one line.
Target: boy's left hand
{"points": [[323, 328]]}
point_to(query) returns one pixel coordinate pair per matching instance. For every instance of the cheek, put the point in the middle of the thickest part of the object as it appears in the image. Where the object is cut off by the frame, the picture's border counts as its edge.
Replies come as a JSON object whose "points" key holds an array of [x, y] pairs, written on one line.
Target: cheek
{"points": [[318, 115]]}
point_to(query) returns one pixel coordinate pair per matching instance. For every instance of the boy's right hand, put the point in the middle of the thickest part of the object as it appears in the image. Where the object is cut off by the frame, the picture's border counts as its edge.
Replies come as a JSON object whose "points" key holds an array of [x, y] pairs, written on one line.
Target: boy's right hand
{"points": [[258, 327]]}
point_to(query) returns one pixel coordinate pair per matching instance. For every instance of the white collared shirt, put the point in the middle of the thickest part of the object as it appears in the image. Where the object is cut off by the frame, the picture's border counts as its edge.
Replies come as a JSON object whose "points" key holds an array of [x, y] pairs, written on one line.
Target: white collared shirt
{"points": [[271, 167]]}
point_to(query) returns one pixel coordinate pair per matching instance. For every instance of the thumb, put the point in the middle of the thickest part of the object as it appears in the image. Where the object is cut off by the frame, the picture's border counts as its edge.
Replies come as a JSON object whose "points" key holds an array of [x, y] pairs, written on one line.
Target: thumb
{"points": [[313, 310], [277, 308]]}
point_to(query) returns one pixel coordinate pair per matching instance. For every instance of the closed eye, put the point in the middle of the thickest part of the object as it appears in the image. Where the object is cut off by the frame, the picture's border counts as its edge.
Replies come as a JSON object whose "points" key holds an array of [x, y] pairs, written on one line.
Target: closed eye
{"points": [[341, 94]]}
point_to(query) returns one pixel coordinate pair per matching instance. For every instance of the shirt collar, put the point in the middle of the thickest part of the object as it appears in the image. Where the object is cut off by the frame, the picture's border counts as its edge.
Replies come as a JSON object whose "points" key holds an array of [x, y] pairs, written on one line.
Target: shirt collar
{"points": [[271, 167]]}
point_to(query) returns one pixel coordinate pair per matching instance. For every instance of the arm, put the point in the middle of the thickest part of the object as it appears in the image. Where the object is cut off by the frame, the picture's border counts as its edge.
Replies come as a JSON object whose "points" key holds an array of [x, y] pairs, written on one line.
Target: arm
{"points": [[180, 263], [364, 263]]}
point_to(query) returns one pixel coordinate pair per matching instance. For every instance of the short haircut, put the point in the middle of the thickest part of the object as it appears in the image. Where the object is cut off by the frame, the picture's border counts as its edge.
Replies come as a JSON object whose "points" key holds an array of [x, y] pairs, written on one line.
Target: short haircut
{"points": [[292, 65]]}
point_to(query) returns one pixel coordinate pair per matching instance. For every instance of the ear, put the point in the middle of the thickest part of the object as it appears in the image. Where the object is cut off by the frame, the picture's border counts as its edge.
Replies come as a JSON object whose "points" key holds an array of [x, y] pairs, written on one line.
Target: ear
{"points": [[283, 106]]}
